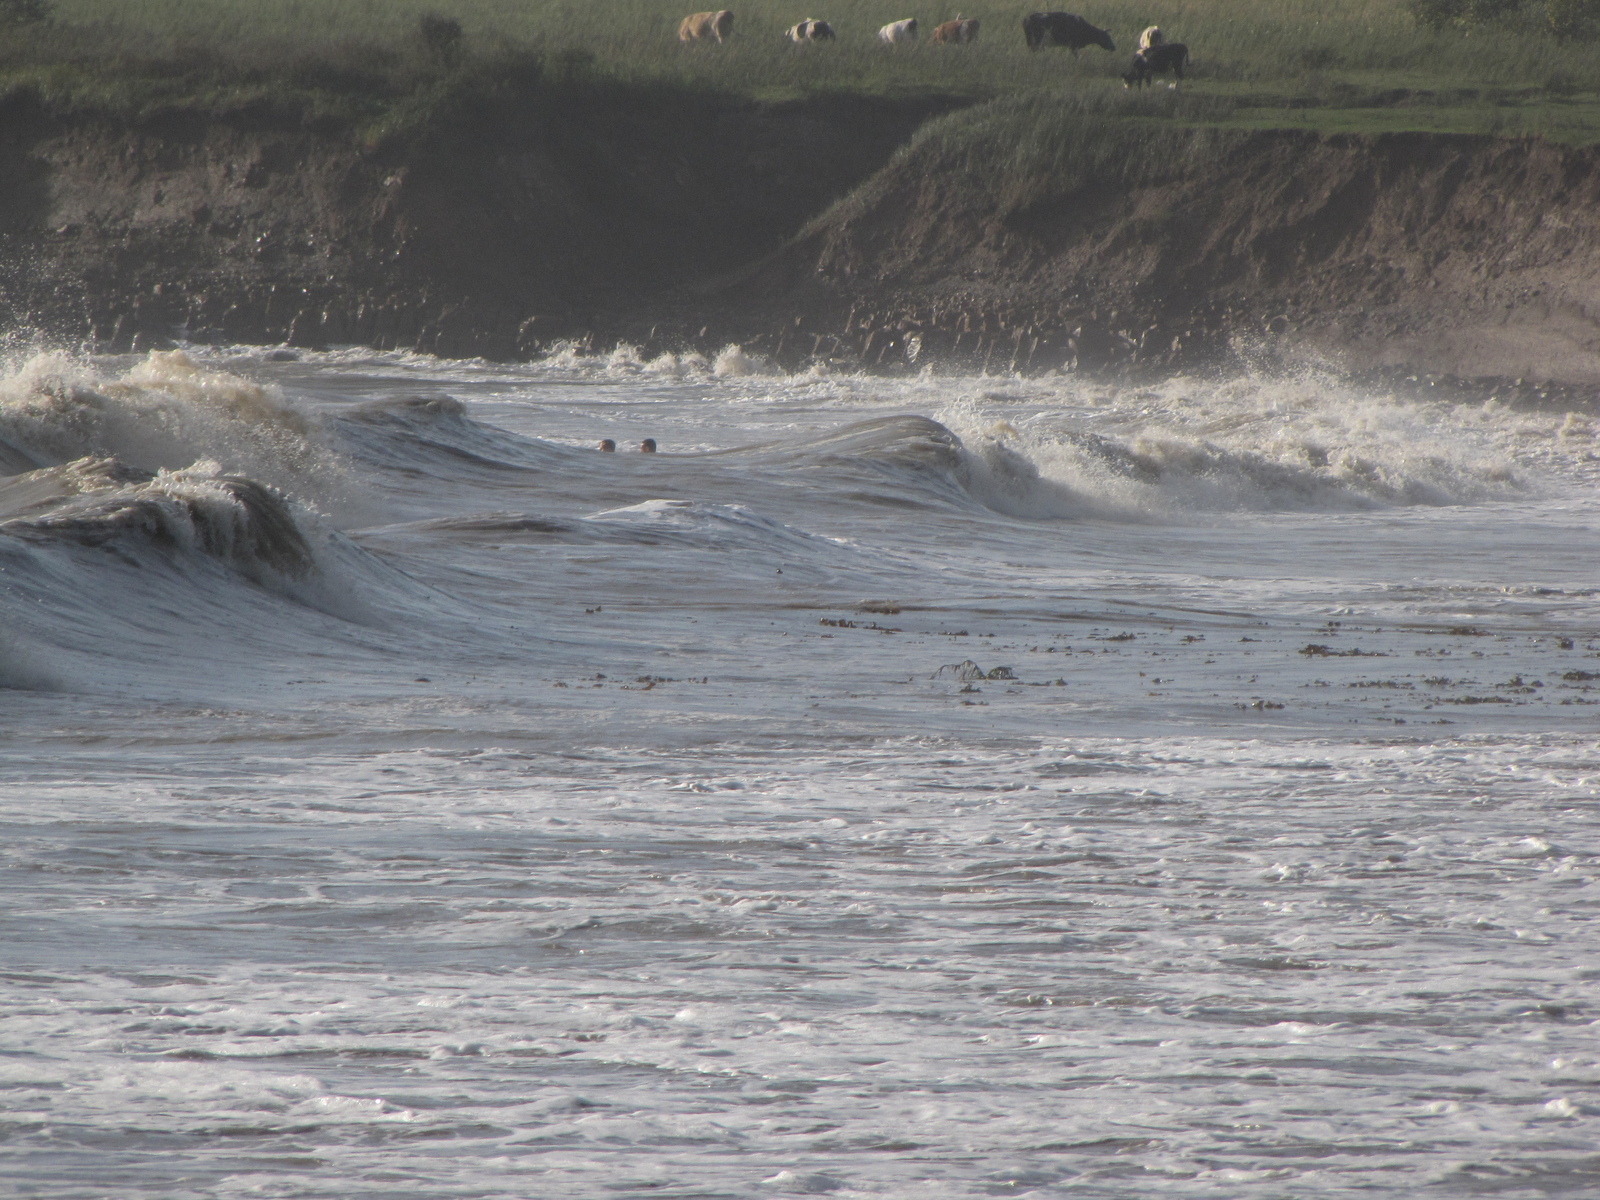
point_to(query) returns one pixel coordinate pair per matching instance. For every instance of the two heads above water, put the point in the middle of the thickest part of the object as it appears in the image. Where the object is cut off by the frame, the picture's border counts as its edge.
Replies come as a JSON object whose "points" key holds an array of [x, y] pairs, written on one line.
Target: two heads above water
{"points": [[648, 446]]}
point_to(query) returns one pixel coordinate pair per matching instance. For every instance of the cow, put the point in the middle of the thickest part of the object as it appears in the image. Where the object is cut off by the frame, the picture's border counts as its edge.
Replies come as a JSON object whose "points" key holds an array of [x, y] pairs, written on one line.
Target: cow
{"points": [[962, 29], [898, 31], [1063, 29], [810, 30], [706, 25], [1158, 60]]}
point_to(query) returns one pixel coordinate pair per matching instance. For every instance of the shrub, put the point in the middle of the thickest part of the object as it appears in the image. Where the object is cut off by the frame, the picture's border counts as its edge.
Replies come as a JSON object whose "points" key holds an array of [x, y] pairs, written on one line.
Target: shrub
{"points": [[24, 12], [440, 36], [572, 65], [1571, 17], [1317, 58], [1437, 14]]}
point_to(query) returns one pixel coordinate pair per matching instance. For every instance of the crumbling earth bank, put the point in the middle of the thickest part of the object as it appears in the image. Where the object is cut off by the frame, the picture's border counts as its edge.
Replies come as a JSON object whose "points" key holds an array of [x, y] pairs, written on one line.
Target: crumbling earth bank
{"points": [[680, 226]]}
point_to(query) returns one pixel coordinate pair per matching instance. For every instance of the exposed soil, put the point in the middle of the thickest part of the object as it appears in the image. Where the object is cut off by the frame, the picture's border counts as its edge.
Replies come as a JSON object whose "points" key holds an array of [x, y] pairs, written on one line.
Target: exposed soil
{"points": [[1410, 252], [678, 222], [492, 234]]}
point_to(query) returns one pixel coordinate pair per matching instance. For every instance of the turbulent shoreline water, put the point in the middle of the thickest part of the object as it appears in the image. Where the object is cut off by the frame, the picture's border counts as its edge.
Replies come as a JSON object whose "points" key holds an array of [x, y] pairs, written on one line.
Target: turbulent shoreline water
{"points": [[940, 786]]}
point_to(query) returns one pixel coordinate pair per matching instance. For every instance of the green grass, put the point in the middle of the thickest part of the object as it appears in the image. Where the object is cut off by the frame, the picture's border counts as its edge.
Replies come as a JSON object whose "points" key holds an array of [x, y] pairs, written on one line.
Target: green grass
{"points": [[1072, 136], [1574, 120], [1337, 64], [1026, 151]]}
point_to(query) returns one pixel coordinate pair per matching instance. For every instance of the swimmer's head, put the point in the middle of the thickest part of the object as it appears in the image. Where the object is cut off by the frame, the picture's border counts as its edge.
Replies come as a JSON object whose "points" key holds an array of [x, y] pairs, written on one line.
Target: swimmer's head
{"points": [[648, 446], [607, 445]]}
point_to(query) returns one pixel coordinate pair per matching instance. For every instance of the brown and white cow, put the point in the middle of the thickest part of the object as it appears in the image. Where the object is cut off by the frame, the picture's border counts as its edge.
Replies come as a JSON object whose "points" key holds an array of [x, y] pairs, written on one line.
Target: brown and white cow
{"points": [[962, 29], [706, 26]]}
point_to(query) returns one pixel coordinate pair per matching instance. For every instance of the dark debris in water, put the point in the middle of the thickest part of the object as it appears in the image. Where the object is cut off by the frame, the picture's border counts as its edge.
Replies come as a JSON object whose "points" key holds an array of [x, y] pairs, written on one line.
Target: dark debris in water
{"points": [[967, 671]]}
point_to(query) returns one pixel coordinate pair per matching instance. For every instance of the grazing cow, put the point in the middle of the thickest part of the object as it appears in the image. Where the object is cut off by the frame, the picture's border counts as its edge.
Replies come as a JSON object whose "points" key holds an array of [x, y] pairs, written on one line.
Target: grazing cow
{"points": [[898, 31], [1158, 60], [1063, 29], [810, 30], [1151, 37], [962, 29], [705, 26]]}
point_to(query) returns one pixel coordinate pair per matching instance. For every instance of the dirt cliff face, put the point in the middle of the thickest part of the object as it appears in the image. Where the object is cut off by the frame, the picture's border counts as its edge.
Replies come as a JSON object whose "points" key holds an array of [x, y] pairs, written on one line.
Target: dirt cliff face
{"points": [[677, 222], [490, 235], [1471, 256]]}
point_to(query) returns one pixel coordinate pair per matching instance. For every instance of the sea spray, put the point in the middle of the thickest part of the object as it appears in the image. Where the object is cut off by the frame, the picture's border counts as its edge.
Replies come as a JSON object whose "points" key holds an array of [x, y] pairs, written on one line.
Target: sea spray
{"points": [[166, 412]]}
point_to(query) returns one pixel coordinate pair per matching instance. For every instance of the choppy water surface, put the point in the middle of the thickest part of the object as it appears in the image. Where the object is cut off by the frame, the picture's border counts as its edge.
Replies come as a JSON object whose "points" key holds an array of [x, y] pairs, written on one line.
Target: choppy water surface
{"points": [[893, 788]]}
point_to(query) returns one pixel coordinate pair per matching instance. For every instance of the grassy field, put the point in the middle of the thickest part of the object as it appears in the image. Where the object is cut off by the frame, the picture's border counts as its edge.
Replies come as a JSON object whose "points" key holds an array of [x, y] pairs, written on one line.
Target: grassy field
{"points": [[1337, 64]]}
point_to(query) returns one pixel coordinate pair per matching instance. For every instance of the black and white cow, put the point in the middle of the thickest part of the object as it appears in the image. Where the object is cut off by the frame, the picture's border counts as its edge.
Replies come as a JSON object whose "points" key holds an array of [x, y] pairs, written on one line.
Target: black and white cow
{"points": [[1157, 60]]}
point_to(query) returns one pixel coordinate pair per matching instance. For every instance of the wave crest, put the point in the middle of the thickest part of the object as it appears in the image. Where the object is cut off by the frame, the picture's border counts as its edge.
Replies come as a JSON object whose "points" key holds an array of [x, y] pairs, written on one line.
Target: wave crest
{"points": [[102, 504], [165, 413], [1265, 452]]}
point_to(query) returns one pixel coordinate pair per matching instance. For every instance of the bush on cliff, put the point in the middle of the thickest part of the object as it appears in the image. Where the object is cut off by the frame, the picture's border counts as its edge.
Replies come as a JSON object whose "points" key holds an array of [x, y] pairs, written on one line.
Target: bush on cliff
{"points": [[24, 12], [1570, 17], [440, 36]]}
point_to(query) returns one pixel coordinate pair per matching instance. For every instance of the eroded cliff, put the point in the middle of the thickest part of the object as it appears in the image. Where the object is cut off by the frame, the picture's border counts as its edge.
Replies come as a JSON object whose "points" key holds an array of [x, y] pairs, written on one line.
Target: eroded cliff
{"points": [[683, 220]]}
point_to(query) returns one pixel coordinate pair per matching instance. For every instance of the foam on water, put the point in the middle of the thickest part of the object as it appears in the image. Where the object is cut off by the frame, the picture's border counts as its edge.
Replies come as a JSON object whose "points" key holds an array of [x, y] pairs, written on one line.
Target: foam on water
{"points": [[1264, 448], [720, 526], [164, 412], [914, 967], [914, 787], [626, 361]]}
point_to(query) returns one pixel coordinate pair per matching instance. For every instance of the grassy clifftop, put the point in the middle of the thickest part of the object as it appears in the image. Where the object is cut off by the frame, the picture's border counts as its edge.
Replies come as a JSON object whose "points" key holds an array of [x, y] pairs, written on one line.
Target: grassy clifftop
{"points": [[1348, 65]]}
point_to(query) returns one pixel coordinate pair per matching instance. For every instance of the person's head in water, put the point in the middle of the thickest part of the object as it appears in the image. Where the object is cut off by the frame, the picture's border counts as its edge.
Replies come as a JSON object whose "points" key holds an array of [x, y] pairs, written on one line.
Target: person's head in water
{"points": [[648, 446], [607, 445]]}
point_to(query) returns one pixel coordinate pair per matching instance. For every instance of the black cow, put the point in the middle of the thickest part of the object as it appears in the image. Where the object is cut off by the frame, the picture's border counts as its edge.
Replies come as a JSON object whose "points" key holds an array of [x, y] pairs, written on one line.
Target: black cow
{"points": [[1063, 29], [1157, 60]]}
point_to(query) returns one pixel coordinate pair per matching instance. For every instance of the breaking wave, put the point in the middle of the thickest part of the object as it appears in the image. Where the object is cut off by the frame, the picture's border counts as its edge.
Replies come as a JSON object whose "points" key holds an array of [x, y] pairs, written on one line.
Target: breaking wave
{"points": [[626, 361], [166, 412], [199, 510], [195, 521], [1174, 452], [168, 463], [1231, 449], [1144, 475], [144, 502], [142, 511]]}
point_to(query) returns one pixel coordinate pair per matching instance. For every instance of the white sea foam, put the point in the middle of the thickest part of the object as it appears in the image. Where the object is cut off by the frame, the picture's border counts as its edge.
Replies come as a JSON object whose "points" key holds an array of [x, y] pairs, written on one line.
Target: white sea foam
{"points": [[927, 786], [164, 413], [1272, 446]]}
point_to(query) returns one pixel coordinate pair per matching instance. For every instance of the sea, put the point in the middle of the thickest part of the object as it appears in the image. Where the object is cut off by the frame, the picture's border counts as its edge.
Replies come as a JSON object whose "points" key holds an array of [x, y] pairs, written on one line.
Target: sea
{"points": [[922, 786]]}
